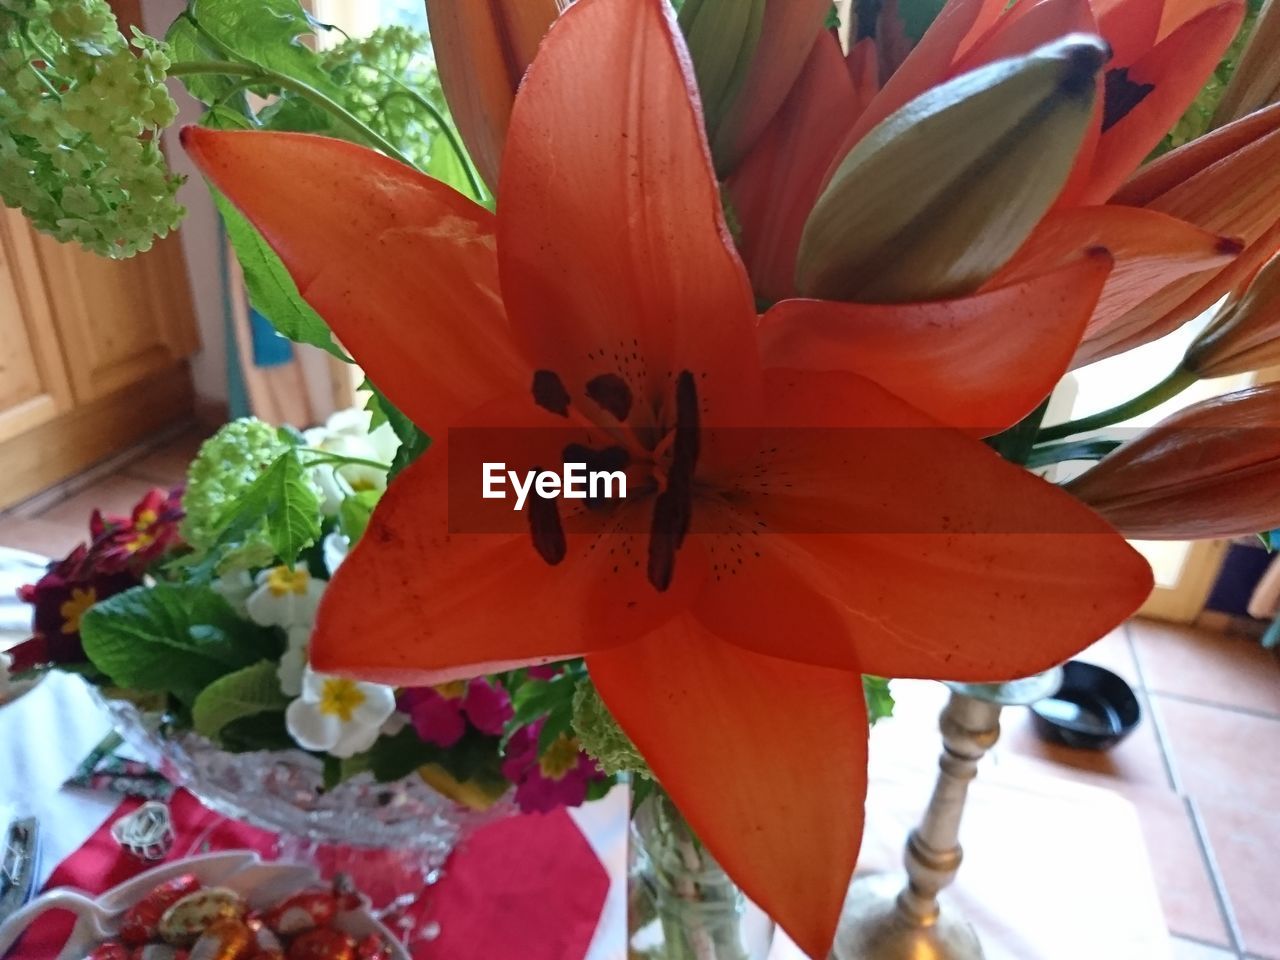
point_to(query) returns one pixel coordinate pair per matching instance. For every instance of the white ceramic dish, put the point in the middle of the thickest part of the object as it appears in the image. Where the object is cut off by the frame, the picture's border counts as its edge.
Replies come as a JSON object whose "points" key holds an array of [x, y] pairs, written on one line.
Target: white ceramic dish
{"points": [[261, 884]]}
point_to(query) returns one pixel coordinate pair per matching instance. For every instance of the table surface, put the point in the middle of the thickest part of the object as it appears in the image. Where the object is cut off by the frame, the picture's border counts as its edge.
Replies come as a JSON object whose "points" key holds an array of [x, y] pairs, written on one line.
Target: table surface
{"points": [[1053, 870]]}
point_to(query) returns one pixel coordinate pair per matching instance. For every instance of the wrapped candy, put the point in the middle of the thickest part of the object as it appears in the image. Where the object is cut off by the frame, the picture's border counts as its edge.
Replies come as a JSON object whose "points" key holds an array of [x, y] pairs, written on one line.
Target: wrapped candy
{"points": [[111, 950], [226, 938], [143, 919], [195, 913], [301, 912], [373, 947], [323, 943], [158, 951]]}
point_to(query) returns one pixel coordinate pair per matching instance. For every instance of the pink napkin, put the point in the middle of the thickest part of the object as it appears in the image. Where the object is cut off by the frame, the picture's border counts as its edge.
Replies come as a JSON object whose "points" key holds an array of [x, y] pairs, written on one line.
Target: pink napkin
{"points": [[526, 888]]}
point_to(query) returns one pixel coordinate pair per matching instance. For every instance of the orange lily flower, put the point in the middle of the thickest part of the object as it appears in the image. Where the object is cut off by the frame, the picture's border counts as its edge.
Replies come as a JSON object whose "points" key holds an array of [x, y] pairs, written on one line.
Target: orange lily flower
{"points": [[1227, 182], [482, 51], [727, 609], [1209, 471], [1162, 54]]}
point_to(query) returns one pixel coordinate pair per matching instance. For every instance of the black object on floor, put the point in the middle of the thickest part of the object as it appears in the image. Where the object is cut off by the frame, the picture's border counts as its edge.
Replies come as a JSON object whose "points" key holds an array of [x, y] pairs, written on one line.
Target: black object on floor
{"points": [[1094, 709]]}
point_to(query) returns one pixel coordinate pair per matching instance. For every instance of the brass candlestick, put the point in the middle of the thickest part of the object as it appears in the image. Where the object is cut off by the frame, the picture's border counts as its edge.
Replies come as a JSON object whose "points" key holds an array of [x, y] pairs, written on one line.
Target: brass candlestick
{"points": [[888, 918]]}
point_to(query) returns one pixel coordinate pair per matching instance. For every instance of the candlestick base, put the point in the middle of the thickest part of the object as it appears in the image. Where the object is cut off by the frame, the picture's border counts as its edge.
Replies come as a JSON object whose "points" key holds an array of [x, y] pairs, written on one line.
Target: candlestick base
{"points": [[875, 925]]}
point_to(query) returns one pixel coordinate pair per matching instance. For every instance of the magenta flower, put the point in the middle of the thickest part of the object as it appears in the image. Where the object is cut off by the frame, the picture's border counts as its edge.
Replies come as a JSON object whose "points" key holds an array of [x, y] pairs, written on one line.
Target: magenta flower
{"points": [[440, 715], [560, 777]]}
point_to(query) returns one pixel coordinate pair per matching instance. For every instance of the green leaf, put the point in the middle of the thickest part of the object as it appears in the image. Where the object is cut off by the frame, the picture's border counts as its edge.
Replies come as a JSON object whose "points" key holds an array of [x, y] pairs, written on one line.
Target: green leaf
{"points": [[262, 731], [1015, 443], [245, 693], [413, 442], [185, 43], [286, 499], [170, 638], [879, 699], [355, 511], [268, 33], [1093, 448], [271, 290]]}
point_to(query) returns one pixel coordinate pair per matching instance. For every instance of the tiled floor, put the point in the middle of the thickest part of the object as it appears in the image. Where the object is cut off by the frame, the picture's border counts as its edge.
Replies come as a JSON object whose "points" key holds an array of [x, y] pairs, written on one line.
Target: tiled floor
{"points": [[1203, 769]]}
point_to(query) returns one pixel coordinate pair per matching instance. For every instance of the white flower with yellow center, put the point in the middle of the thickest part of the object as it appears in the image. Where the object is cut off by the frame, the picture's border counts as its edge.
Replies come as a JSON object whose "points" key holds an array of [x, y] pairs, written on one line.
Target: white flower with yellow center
{"points": [[285, 597], [338, 716]]}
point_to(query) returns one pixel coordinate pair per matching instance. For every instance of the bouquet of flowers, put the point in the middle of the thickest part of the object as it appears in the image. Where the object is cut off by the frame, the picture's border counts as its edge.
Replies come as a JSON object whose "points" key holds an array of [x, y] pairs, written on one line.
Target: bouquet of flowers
{"points": [[202, 605], [801, 289]]}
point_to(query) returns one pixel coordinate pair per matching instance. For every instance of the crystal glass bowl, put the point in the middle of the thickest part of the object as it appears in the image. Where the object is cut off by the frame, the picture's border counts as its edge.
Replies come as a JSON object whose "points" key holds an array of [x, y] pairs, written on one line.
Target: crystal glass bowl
{"points": [[283, 791]]}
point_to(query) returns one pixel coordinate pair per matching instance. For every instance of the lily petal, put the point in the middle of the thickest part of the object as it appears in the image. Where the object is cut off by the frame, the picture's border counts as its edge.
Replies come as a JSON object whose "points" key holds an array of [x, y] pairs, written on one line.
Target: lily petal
{"points": [[771, 793], [401, 267], [1209, 471], [482, 50], [776, 185], [622, 264], [1145, 98], [1019, 576], [980, 362], [1151, 250]]}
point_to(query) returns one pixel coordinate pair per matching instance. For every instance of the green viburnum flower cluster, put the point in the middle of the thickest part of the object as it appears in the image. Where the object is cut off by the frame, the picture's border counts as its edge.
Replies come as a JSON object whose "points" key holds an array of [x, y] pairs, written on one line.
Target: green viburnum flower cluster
{"points": [[601, 736], [80, 113], [228, 463]]}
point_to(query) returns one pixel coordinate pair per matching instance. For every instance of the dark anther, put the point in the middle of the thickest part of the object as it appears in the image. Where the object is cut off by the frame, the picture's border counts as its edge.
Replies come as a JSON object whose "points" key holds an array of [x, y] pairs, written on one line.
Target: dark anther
{"points": [[549, 393], [1122, 95], [545, 527], [611, 392], [673, 509]]}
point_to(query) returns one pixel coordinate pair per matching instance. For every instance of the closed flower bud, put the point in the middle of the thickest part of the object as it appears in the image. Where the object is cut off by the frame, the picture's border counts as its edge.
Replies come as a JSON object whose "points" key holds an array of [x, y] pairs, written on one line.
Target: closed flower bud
{"points": [[1246, 333], [1209, 471], [482, 51], [722, 36], [942, 193]]}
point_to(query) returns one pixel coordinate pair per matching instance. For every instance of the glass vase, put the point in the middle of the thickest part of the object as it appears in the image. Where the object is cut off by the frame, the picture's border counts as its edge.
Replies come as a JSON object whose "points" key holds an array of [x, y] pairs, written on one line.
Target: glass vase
{"points": [[682, 905]]}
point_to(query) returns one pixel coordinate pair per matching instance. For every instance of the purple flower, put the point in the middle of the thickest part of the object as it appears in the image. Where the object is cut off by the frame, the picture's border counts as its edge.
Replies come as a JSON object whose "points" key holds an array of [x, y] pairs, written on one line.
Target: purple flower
{"points": [[440, 714], [559, 777]]}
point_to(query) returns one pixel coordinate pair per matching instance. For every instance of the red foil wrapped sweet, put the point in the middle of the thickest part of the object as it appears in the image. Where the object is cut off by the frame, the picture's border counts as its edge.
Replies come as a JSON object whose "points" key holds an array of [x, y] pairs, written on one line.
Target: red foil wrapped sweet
{"points": [[143, 919], [301, 912], [226, 938], [323, 943], [111, 950]]}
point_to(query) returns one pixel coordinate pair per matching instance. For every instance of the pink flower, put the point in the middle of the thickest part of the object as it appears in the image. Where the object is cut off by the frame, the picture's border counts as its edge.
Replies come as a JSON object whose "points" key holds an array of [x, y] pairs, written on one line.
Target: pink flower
{"points": [[560, 777], [440, 715]]}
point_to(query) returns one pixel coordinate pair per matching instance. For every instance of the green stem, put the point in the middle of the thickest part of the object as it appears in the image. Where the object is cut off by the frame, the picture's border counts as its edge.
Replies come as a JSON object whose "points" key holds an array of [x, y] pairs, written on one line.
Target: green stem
{"points": [[1166, 389], [230, 68], [324, 457], [478, 190], [1093, 448]]}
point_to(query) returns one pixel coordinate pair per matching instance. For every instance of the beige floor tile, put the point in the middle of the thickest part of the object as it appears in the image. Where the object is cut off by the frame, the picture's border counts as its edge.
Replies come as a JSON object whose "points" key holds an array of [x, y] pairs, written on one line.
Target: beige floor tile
{"points": [[1191, 950], [1221, 754], [1212, 667], [167, 466], [115, 496], [1246, 844], [48, 538]]}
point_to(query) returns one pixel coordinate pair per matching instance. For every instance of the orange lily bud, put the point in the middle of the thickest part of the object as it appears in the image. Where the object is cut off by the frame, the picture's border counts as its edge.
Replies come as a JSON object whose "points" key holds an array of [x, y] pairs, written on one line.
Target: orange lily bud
{"points": [[482, 51], [1256, 80], [1246, 333], [1209, 471], [940, 196]]}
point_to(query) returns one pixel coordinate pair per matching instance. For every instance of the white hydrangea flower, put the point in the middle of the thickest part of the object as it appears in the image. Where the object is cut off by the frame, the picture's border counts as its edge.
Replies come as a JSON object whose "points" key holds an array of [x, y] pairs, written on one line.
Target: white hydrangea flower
{"points": [[285, 597], [235, 587], [294, 662], [338, 716]]}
